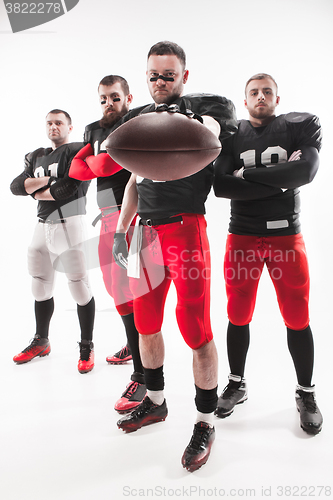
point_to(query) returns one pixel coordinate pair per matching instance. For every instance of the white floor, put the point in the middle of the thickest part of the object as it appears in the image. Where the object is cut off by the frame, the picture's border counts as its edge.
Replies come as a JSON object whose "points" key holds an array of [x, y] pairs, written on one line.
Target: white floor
{"points": [[59, 438]]}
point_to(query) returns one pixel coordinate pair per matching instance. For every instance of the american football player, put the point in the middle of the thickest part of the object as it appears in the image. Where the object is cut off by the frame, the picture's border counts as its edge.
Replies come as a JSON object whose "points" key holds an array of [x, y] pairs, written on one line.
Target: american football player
{"points": [[261, 169], [92, 161], [58, 237]]}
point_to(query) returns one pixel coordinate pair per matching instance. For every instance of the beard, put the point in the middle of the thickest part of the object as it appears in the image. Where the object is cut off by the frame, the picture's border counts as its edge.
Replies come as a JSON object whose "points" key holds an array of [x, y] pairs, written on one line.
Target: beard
{"points": [[262, 112], [109, 119]]}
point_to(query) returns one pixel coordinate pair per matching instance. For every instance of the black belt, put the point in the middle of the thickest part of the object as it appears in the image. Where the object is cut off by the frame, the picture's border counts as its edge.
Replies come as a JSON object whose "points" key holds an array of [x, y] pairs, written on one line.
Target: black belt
{"points": [[104, 212], [160, 222], [49, 221]]}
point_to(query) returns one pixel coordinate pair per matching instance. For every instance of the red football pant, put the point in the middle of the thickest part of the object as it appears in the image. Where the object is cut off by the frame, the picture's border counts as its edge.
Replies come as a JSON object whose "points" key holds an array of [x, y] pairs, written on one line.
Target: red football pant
{"points": [[177, 252], [114, 277], [286, 261]]}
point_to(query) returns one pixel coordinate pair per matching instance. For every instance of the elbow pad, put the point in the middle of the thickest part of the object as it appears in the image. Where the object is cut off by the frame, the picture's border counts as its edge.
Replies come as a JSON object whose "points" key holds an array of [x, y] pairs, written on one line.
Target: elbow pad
{"points": [[64, 188], [17, 185]]}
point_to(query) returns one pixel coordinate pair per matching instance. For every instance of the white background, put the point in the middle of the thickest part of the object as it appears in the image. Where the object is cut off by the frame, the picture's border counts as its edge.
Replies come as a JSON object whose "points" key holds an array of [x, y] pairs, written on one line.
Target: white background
{"points": [[59, 438]]}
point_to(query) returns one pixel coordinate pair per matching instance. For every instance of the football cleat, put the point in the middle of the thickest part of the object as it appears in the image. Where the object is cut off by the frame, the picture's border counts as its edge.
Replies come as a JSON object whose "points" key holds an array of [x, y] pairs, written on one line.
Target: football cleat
{"points": [[38, 347], [87, 356], [197, 452], [233, 394], [311, 419], [145, 414], [131, 397], [120, 357]]}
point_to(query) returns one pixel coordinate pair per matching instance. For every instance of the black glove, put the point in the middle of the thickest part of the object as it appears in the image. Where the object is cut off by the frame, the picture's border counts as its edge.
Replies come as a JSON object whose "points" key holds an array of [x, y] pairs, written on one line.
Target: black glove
{"points": [[120, 250], [174, 108]]}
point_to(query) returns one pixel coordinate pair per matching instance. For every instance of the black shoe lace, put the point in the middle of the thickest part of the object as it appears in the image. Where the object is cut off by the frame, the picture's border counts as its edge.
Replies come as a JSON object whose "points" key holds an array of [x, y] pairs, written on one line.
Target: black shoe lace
{"points": [[123, 353], [33, 343], [309, 402], [143, 408], [199, 438], [85, 350]]}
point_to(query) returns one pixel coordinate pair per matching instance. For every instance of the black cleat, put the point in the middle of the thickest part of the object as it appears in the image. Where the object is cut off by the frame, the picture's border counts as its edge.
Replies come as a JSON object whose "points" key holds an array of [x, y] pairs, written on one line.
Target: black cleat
{"points": [[197, 452], [145, 414], [233, 394], [311, 420]]}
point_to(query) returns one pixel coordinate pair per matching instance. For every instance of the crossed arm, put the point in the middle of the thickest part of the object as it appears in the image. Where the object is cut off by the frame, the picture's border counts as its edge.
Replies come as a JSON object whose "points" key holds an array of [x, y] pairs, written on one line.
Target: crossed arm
{"points": [[256, 183]]}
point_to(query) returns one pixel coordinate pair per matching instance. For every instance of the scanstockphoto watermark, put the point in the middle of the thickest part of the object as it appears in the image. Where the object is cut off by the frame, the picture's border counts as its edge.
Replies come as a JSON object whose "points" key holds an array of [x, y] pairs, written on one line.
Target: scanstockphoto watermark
{"points": [[25, 15], [188, 492]]}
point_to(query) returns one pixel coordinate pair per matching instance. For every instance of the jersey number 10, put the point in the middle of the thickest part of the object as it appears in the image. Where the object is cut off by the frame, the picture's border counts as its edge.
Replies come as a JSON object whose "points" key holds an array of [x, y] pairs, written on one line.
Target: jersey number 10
{"points": [[271, 156]]}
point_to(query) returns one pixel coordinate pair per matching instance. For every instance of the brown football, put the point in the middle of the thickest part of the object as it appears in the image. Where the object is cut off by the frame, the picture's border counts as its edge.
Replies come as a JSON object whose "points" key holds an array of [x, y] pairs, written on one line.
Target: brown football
{"points": [[163, 146]]}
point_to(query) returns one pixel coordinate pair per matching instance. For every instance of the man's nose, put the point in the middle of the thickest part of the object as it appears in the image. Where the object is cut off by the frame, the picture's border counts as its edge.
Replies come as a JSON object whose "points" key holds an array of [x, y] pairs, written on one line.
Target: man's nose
{"points": [[261, 96]]}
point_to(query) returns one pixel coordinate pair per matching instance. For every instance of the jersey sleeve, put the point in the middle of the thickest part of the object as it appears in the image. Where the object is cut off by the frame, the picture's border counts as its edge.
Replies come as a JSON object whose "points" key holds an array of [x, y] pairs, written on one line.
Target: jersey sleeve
{"points": [[17, 185], [288, 175], [103, 165], [218, 107]]}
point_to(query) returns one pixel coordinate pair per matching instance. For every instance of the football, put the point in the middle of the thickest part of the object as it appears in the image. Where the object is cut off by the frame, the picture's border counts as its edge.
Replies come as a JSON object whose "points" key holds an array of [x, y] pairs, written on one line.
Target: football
{"points": [[163, 146]]}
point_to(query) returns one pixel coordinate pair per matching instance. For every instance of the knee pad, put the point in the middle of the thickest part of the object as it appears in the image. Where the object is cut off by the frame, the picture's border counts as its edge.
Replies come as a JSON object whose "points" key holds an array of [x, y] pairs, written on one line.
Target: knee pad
{"points": [[73, 263], [42, 278], [41, 290]]}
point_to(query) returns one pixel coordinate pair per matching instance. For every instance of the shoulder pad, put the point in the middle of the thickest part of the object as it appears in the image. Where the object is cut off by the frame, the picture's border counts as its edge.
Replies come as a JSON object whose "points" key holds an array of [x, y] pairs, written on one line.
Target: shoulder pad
{"points": [[306, 129], [75, 146], [92, 126], [37, 153], [298, 117]]}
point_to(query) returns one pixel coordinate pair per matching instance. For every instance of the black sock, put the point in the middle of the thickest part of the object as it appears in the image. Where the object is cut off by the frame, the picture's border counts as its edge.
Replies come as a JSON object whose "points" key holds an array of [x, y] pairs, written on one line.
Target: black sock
{"points": [[205, 399], [43, 314], [300, 343], [86, 316], [133, 341], [154, 378], [238, 341]]}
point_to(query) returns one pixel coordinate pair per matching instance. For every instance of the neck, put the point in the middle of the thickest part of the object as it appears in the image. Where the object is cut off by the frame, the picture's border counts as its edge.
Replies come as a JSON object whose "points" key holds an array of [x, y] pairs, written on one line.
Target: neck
{"points": [[261, 122], [56, 145]]}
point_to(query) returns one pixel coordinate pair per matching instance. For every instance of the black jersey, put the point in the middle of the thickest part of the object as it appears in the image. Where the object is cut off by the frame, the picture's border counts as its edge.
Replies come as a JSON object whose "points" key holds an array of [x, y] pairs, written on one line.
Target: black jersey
{"points": [[188, 195], [70, 198], [265, 147]]}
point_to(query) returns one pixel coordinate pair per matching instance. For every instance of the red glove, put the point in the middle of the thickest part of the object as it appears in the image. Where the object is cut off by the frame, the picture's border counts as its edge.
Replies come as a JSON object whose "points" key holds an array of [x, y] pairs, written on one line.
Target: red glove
{"points": [[79, 168], [103, 165]]}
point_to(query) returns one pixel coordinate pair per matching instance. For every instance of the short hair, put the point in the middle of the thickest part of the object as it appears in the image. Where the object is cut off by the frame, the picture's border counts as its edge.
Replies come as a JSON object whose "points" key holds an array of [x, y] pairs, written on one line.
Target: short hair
{"points": [[57, 111], [112, 79], [260, 76], [164, 48]]}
